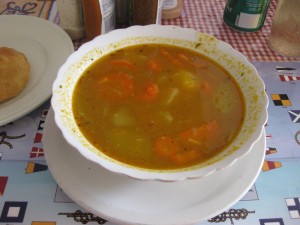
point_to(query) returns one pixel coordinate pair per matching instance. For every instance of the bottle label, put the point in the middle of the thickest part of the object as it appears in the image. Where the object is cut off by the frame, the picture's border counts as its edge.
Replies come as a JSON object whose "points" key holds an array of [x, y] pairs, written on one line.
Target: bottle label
{"points": [[108, 15], [169, 4], [246, 15]]}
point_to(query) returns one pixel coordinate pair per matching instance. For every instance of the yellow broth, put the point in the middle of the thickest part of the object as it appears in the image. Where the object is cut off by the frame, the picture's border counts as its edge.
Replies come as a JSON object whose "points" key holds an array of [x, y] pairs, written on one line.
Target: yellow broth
{"points": [[158, 106]]}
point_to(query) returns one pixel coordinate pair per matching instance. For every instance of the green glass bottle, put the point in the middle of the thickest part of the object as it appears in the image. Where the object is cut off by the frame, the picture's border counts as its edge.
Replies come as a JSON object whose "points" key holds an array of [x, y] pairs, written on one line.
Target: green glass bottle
{"points": [[246, 15]]}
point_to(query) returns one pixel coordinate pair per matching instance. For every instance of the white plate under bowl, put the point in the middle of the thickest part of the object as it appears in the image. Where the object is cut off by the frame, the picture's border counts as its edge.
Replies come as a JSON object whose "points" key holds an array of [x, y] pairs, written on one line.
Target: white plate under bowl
{"points": [[46, 47], [124, 200]]}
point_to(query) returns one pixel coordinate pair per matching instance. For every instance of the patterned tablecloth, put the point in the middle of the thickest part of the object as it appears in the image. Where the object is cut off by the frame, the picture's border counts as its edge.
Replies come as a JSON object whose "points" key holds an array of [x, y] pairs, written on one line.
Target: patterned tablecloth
{"points": [[207, 17], [29, 195]]}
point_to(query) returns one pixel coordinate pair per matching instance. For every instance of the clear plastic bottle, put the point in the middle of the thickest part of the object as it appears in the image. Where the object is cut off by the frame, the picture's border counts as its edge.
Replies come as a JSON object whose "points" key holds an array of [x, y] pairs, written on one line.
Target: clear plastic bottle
{"points": [[285, 32]]}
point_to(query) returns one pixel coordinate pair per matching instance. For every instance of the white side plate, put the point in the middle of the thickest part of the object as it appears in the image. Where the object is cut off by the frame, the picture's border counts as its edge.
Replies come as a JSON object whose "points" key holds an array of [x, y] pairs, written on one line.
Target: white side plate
{"points": [[46, 47]]}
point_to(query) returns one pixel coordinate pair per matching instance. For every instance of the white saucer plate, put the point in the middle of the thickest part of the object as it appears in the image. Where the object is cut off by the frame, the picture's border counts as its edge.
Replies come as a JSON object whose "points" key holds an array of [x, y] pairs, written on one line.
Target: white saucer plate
{"points": [[46, 47], [123, 200]]}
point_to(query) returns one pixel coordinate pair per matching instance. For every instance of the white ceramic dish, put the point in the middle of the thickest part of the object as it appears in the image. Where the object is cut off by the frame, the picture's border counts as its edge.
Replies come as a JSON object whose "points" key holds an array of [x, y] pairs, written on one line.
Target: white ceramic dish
{"points": [[46, 46], [242, 71], [124, 200]]}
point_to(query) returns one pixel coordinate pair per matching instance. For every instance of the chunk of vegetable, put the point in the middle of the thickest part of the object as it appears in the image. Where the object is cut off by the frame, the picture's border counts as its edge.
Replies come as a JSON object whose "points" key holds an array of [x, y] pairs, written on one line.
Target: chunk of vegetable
{"points": [[199, 135], [149, 92], [171, 95], [134, 143], [123, 117], [187, 79]]}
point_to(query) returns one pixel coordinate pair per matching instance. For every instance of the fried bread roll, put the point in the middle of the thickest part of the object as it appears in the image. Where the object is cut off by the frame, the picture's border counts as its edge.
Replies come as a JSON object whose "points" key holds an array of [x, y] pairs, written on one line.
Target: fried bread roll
{"points": [[14, 73]]}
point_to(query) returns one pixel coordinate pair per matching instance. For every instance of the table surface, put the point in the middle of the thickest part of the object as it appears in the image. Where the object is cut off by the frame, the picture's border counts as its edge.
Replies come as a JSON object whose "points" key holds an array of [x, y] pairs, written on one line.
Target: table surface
{"points": [[30, 195]]}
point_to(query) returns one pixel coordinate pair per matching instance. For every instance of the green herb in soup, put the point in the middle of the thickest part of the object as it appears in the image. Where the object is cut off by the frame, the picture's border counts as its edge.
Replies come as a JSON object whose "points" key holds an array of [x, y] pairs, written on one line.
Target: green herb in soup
{"points": [[158, 106]]}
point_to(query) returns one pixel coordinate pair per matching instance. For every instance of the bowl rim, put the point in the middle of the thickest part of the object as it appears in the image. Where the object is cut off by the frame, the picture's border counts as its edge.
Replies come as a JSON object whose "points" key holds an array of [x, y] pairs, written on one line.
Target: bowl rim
{"points": [[160, 31]]}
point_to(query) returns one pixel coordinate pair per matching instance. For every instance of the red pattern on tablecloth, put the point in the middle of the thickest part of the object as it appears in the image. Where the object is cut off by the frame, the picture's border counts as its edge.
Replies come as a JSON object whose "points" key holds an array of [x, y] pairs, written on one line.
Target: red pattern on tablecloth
{"points": [[207, 17]]}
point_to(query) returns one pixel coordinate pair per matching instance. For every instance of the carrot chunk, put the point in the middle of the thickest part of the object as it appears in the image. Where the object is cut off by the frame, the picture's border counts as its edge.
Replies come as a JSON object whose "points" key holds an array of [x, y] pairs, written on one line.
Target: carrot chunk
{"points": [[150, 92], [198, 135]]}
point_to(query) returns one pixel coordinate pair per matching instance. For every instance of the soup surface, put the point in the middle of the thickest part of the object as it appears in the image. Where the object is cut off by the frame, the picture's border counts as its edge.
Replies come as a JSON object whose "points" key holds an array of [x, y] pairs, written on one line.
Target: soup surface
{"points": [[158, 106]]}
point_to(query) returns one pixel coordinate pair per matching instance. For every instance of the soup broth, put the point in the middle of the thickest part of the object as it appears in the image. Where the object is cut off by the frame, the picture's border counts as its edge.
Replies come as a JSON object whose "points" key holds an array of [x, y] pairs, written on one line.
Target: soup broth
{"points": [[158, 106]]}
